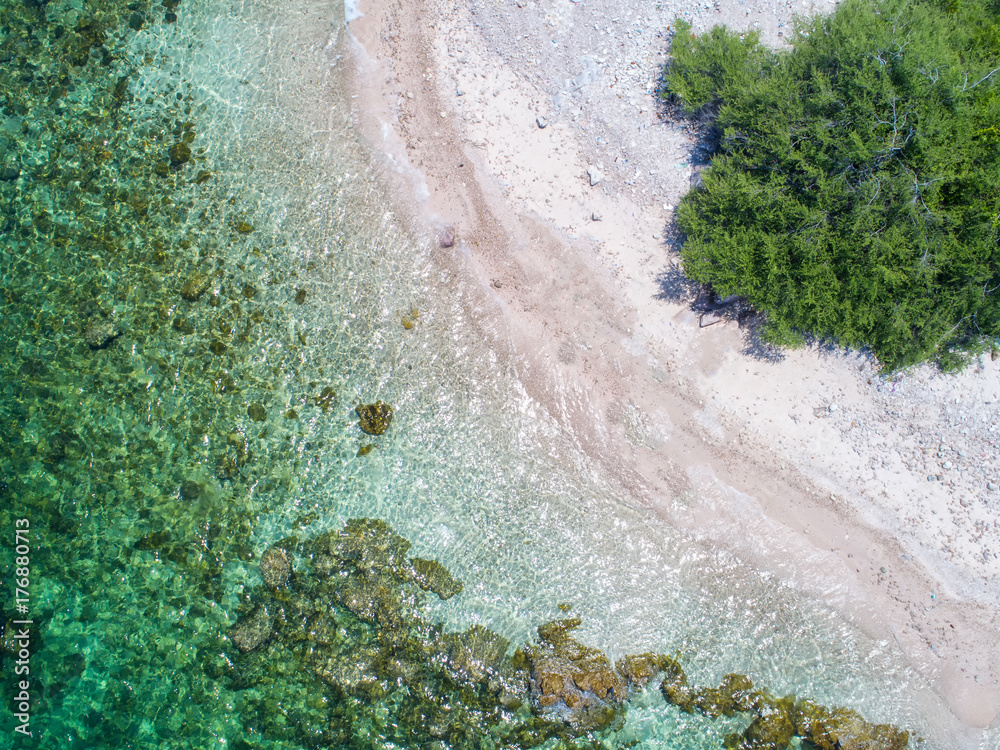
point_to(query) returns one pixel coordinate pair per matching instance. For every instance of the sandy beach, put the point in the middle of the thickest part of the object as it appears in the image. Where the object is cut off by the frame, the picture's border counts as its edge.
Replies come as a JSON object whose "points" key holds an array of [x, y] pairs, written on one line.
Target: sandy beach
{"points": [[526, 138]]}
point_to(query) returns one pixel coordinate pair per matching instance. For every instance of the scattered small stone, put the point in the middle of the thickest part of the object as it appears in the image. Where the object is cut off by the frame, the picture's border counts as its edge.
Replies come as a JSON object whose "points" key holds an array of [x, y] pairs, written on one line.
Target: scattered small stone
{"points": [[991, 487], [410, 319], [595, 216], [409, 94], [931, 478], [497, 284], [542, 122], [833, 408], [446, 238], [946, 465], [300, 296], [364, 450], [595, 174], [256, 412], [459, 92]]}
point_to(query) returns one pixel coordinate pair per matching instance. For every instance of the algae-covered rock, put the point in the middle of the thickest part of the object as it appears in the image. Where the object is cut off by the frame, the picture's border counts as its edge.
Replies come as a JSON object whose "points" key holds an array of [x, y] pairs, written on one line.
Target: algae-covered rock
{"points": [[844, 729], [675, 688], [475, 655], [773, 730], [640, 669], [275, 567], [352, 672], [195, 286], [252, 631], [375, 418], [576, 683], [99, 332], [373, 598], [430, 575], [190, 490], [735, 694], [326, 398], [180, 154], [368, 545], [256, 412]]}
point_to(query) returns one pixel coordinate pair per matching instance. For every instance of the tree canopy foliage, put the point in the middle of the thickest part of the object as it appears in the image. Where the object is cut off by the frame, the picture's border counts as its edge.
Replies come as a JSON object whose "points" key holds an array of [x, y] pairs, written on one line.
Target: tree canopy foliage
{"points": [[855, 190]]}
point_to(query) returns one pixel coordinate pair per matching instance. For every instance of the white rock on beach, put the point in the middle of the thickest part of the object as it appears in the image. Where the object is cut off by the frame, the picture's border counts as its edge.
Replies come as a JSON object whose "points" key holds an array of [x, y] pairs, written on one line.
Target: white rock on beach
{"points": [[595, 174]]}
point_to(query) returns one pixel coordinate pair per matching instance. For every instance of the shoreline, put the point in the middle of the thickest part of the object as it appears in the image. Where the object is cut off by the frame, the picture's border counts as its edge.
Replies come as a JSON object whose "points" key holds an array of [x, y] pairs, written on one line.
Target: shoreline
{"points": [[814, 455]]}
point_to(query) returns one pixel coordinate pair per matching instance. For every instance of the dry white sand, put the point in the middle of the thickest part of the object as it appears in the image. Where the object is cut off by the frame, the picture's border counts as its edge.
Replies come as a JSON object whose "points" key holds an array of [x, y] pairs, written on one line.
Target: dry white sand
{"points": [[885, 486]]}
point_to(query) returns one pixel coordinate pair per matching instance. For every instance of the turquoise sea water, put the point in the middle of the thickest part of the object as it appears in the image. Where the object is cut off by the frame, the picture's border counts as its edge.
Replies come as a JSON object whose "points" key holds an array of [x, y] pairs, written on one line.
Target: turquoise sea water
{"points": [[182, 182]]}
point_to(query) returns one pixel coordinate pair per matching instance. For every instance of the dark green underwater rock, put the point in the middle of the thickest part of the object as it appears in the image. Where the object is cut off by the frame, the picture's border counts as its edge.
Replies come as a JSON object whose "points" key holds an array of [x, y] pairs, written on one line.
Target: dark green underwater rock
{"points": [[275, 568], [252, 631], [179, 153], [375, 418], [367, 545], [430, 575], [195, 286], [99, 332]]}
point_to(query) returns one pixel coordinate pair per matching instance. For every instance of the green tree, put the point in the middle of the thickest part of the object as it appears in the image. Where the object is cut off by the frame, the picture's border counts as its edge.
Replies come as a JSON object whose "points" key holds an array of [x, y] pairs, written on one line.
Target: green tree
{"points": [[855, 191]]}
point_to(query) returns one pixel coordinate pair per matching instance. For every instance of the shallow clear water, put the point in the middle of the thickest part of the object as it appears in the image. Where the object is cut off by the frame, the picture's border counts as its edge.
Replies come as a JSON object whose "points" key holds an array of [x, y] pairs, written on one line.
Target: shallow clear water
{"points": [[156, 470]]}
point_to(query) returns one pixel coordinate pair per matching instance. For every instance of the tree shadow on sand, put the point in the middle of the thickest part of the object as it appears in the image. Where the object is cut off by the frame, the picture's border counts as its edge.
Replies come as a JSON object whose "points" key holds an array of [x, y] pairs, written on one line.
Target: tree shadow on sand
{"points": [[711, 308]]}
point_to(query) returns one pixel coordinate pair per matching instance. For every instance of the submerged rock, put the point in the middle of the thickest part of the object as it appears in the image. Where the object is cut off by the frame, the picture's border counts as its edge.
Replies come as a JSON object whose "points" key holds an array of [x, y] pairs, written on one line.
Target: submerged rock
{"points": [[576, 683], [99, 332], [275, 568], [353, 621], [350, 673], [777, 721], [252, 631], [190, 490], [375, 418], [180, 154], [477, 654], [430, 575], [195, 286], [372, 598], [326, 398], [844, 729]]}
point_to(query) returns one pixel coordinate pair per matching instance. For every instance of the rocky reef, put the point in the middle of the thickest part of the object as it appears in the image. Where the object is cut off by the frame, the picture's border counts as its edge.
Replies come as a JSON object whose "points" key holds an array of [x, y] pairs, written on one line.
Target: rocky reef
{"points": [[349, 623], [778, 721]]}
